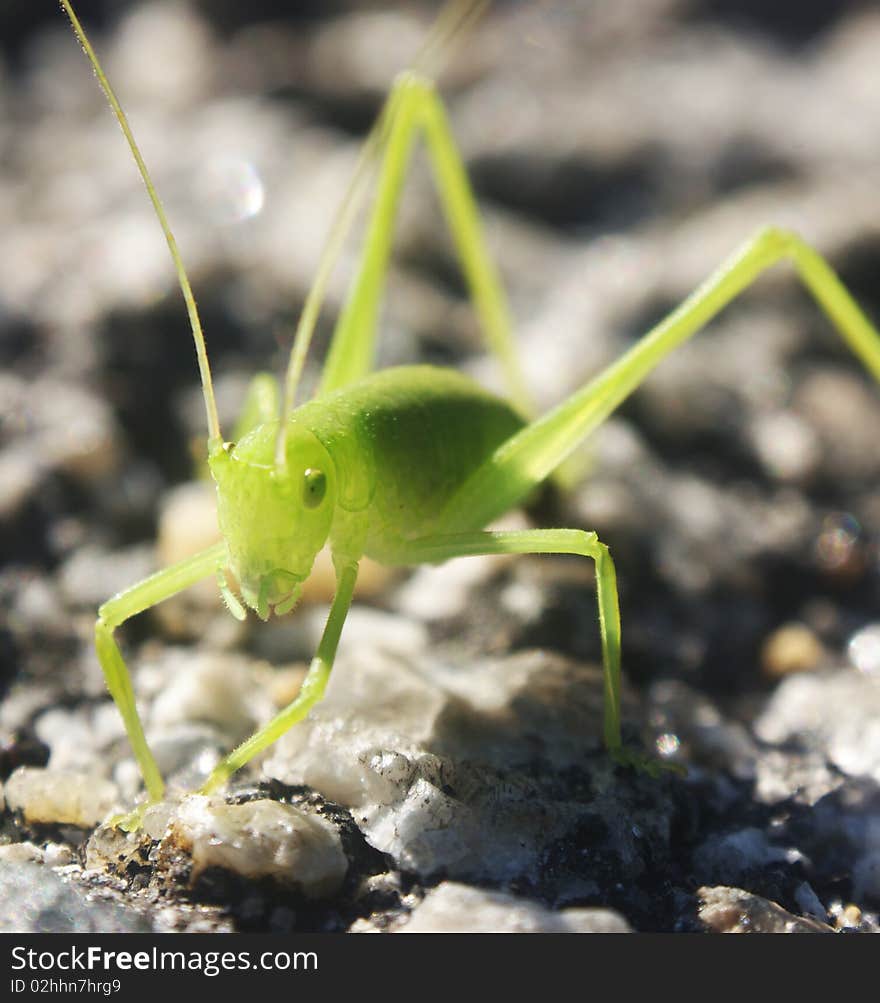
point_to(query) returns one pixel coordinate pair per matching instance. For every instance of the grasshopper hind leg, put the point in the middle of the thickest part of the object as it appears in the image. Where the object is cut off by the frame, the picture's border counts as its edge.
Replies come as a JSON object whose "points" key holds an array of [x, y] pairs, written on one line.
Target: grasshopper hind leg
{"points": [[414, 109]]}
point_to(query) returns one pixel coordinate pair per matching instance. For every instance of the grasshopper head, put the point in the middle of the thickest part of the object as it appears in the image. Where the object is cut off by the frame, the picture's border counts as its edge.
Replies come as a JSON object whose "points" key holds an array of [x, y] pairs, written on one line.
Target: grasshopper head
{"points": [[274, 520]]}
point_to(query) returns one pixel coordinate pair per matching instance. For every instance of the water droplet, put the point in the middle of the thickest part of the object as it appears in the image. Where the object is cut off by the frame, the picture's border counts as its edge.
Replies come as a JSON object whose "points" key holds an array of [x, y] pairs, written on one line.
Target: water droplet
{"points": [[668, 744], [232, 189], [836, 543], [864, 650]]}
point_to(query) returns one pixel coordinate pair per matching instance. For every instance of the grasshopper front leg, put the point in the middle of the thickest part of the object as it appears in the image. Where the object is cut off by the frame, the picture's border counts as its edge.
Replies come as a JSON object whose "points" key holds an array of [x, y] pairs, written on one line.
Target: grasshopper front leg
{"points": [[115, 612], [310, 693]]}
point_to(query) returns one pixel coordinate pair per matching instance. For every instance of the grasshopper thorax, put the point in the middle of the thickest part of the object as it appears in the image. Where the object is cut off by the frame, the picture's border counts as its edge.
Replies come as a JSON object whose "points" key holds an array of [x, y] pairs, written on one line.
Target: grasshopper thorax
{"points": [[274, 519]]}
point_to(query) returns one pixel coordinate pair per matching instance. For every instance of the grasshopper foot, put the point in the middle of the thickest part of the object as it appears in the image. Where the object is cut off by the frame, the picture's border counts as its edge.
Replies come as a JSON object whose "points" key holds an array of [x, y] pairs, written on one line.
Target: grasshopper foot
{"points": [[217, 778], [642, 763], [130, 821]]}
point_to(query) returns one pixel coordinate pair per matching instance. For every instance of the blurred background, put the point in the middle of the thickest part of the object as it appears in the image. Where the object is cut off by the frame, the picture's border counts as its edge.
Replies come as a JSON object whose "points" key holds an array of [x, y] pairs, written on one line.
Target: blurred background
{"points": [[619, 150]]}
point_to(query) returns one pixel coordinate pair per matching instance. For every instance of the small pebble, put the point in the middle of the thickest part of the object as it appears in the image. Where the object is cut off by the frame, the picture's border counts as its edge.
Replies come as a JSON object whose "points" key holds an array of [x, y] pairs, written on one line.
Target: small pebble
{"points": [[458, 908], [864, 650], [261, 839], [213, 687], [18, 853], [732, 910], [19, 476], [91, 575], [58, 855], [187, 522], [835, 713], [791, 648], [786, 445], [60, 796], [35, 899], [848, 917]]}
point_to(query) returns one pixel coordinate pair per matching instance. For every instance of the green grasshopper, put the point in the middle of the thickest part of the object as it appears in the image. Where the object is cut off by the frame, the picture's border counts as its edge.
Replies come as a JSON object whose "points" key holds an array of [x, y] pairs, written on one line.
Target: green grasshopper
{"points": [[409, 465]]}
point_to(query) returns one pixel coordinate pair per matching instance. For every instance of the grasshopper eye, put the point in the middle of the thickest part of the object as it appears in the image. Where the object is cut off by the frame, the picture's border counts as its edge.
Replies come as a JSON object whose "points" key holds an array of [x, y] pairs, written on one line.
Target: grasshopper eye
{"points": [[314, 487]]}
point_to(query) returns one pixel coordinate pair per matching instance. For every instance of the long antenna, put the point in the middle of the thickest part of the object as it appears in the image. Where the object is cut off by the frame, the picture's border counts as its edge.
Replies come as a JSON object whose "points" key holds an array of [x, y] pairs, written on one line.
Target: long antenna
{"points": [[214, 437], [455, 17]]}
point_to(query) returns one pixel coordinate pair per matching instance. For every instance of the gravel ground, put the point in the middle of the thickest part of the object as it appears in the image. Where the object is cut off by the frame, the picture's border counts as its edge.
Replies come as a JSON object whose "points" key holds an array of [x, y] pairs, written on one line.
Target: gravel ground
{"points": [[453, 778]]}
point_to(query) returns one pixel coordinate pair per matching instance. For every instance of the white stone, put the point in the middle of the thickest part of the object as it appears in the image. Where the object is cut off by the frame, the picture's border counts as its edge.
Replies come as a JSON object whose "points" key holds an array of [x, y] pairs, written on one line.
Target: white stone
{"points": [[837, 713], [429, 757], [17, 853], [787, 446], [457, 908], [440, 591], [732, 910], [188, 523], [90, 574], [366, 627], [60, 796], [58, 855], [261, 839], [372, 706], [75, 736], [221, 689]]}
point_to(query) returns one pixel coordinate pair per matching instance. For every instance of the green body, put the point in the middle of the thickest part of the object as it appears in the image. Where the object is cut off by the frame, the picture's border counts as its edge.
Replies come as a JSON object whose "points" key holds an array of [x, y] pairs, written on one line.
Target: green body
{"points": [[420, 433], [402, 442]]}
